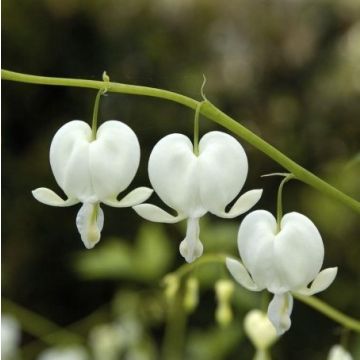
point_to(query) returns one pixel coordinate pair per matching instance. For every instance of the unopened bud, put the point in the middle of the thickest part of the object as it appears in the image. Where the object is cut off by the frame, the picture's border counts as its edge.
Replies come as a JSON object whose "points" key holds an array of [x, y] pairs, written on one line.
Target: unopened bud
{"points": [[259, 329], [172, 284], [223, 314], [337, 352], [191, 297], [224, 290]]}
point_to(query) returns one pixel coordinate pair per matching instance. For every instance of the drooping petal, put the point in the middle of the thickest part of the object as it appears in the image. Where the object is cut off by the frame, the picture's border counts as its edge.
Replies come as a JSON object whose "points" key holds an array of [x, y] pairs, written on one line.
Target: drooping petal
{"points": [[255, 241], [322, 281], [298, 250], [243, 204], [90, 221], [173, 173], [279, 312], [154, 213], [240, 274], [223, 169], [135, 197], [69, 160], [191, 247], [113, 159], [49, 197]]}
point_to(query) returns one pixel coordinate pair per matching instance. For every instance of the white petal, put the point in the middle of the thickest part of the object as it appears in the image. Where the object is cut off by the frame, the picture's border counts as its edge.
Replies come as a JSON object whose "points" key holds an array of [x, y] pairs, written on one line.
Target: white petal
{"points": [[113, 159], [90, 221], [154, 213], [135, 197], [69, 159], [322, 281], [240, 274], [255, 242], [243, 204], [173, 173], [279, 312], [337, 352], [49, 197], [298, 250], [223, 169], [280, 260], [191, 247]]}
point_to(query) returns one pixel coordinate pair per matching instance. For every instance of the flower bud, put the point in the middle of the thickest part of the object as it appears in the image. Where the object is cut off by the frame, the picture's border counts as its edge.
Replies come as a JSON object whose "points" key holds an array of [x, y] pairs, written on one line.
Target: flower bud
{"points": [[191, 297], [259, 329], [171, 283], [337, 352], [224, 290]]}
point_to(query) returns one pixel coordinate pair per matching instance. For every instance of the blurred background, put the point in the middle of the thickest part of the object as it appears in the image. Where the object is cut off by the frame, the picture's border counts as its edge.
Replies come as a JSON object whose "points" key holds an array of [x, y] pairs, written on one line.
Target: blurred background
{"points": [[289, 70]]}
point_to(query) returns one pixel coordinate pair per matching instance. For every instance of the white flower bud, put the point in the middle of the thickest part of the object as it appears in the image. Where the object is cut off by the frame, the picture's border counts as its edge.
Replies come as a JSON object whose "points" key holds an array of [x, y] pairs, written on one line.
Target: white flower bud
{"points": [[191, 297], [337, 352]]}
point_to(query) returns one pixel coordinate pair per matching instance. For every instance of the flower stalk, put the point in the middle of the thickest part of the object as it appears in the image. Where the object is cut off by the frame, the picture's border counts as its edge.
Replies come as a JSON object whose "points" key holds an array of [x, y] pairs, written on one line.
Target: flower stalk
{"points": [[208, 110]]}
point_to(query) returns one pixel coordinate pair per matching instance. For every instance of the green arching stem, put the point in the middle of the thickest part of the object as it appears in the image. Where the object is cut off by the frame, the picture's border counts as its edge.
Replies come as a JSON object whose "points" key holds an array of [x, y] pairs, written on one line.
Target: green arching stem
{"points": [[279, 208], [208, 110], [196, 129], [346, 321], [334, 314], [95, 114]]}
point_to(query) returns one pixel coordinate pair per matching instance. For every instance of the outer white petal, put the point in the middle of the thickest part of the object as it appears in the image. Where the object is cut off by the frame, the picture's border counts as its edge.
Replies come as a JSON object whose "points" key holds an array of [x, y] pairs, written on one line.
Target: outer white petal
{"points": [[223, 169], [240, 274], [256, 241], [135, 197], [298, 251], [90, 221], [191, 247], [49, 197], [173, 173], [243, 204], [113, 159], [69, 159], [322, 281], [279, 312], [154, 213]]}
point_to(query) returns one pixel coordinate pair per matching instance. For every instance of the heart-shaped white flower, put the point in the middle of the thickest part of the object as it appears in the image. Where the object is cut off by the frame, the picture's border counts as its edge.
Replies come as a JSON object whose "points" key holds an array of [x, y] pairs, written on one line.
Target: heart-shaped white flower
{"points": [[195, 184], [93, 171], [280, 260]]}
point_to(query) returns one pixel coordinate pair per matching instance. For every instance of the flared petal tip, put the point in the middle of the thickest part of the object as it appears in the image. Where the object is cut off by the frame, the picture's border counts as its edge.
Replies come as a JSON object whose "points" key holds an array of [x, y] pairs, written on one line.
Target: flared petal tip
{"points": [[322, 281], [49, 197], [241, 275], [133, 198]]}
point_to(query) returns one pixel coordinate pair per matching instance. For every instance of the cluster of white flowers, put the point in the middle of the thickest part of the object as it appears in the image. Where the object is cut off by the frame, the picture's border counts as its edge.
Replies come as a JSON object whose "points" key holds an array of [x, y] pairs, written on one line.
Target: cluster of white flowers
{"points": [[280, 256]]}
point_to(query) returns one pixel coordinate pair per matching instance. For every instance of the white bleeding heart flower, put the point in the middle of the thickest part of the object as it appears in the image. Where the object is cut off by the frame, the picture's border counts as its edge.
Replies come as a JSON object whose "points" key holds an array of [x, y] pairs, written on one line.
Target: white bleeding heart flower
{"points": [[91, 171], [281, 260], [196, 184]]}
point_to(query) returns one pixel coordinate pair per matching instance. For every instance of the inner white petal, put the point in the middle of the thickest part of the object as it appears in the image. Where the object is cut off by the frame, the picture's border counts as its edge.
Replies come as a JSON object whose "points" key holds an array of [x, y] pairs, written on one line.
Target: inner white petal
{"points": [[279, 312], [90, 221], [191, 247]]}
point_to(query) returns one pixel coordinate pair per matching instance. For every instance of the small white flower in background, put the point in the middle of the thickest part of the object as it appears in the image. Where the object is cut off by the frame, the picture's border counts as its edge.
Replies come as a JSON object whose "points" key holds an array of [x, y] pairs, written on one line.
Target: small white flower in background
{"points": [[10, 337], [261, 332], [224, 290], [91, 171], [107, 341], [65, 353], [337, 352], [196, 184], [281, 260]]}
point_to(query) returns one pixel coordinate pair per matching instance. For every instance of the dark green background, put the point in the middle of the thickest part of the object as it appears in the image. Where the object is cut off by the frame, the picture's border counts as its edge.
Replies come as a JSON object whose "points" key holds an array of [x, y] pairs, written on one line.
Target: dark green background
{"points": [[287, 69]]}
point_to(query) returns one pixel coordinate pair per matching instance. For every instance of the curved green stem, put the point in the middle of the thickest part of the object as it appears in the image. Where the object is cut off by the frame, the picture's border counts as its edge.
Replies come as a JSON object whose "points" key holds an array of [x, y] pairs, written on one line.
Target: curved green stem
{"points": [[94, 123], [334, 314], [279, 208], [208, 110]]}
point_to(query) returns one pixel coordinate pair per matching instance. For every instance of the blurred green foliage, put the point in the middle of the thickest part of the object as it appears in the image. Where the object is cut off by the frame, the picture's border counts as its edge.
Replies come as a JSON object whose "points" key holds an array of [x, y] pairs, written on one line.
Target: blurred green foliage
{"points": [[287, 69]]}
